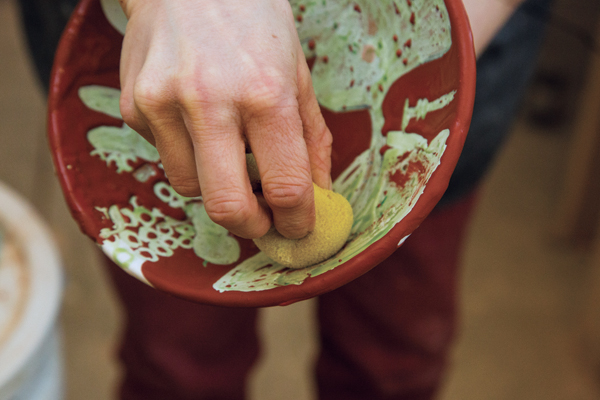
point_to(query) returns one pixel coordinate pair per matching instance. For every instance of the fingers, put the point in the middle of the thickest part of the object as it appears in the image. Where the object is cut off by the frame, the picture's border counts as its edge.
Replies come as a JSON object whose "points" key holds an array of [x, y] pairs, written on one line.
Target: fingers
{"points": [[146, 108], [221, 167], [202, 147], [316, 134], [274, 130]]}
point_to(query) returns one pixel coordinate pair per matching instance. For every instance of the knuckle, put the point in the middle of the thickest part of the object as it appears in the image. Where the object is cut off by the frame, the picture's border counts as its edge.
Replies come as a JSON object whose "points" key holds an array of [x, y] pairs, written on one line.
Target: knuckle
{"points": [[193, 87], [204, 101], [286, 193], [227, 208], [268, 93], [149, 95], [190, 95]]}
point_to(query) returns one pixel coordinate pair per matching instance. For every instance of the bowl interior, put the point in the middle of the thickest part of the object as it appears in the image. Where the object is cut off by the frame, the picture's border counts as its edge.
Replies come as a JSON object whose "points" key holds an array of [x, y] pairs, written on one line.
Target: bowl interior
{"points": [[396, 85]]}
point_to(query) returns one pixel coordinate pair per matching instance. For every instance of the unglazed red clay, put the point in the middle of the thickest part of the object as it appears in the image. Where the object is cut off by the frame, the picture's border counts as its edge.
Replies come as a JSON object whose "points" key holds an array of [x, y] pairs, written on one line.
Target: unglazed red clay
{"points": [[89, 54]]}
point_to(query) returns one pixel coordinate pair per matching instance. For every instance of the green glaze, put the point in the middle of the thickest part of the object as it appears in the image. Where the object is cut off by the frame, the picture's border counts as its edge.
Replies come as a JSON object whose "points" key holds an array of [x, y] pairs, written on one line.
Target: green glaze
{"points": [[259, 272], [140, 234], [357, 58], [121, 146], [424, 106], [212, 242], [102, 99], [168, 195], [112, 144], [144, 173]]}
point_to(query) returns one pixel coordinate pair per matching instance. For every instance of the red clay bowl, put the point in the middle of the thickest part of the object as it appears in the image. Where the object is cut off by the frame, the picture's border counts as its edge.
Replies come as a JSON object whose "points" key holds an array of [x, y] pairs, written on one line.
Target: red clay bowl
{"points": [[396, 81]]}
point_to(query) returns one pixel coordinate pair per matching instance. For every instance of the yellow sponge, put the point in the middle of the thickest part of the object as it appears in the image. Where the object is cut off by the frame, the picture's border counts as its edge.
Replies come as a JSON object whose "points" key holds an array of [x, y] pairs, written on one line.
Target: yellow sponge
{"points": [[333, 224]]}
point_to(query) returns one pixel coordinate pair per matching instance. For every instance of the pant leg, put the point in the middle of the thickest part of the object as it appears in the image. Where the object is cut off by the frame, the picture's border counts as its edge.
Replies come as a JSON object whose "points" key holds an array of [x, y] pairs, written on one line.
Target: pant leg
{"points": [[178, 350], [387, 334]]}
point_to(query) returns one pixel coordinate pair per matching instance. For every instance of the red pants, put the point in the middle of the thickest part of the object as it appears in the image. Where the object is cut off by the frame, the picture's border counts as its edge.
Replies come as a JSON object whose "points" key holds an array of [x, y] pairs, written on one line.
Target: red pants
{"points": [[385, 335]]}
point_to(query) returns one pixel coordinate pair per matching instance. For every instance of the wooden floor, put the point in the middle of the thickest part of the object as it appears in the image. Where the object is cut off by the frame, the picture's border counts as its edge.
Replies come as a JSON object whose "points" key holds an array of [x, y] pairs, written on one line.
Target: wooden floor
{"points": [[522, 298]]}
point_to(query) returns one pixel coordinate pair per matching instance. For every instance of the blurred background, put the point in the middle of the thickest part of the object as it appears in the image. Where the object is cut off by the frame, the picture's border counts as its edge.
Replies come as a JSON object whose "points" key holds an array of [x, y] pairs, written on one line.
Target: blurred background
{"points": [[531, 272]]}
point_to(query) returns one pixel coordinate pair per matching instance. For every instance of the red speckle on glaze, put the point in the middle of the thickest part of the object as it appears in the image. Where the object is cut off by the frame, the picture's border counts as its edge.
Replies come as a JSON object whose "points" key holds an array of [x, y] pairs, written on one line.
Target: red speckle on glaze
{"points": [[400, 178], [412, 18], [357, 8], [311, 44], [398, 53]]}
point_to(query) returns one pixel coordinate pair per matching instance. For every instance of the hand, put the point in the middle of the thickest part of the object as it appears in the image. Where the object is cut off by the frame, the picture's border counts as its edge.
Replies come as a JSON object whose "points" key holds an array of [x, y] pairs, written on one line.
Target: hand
{"points": [[199, 79]]}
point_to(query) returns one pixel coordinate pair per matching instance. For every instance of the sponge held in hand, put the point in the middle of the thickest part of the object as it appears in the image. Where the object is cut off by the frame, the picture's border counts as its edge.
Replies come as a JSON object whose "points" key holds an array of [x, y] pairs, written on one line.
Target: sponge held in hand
{"points": [[332, 227]]}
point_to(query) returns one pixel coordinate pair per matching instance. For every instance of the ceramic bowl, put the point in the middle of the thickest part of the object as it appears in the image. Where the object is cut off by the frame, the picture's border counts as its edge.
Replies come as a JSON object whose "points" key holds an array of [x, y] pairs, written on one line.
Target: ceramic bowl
{"points": [[396, 82]]}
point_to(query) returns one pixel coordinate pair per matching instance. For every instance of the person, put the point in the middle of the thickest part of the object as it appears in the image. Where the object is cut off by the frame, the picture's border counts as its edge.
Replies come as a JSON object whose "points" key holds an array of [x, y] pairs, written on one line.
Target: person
{"points": [[198, 79]]}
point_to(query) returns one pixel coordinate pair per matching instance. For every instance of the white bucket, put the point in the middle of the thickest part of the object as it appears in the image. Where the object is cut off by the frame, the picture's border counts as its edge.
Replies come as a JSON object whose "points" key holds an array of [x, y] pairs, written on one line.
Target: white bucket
{"points": [[31, 283]]}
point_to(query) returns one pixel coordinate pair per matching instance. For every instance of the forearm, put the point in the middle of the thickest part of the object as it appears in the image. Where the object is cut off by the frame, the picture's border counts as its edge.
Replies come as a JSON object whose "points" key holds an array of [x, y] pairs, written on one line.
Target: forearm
{"points": [[487, 17]]}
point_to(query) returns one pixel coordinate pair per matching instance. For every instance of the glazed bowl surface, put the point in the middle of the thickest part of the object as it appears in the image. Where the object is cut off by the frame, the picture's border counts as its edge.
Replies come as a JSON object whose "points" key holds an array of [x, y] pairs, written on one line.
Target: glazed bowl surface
{"points": [[396, 84]]}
